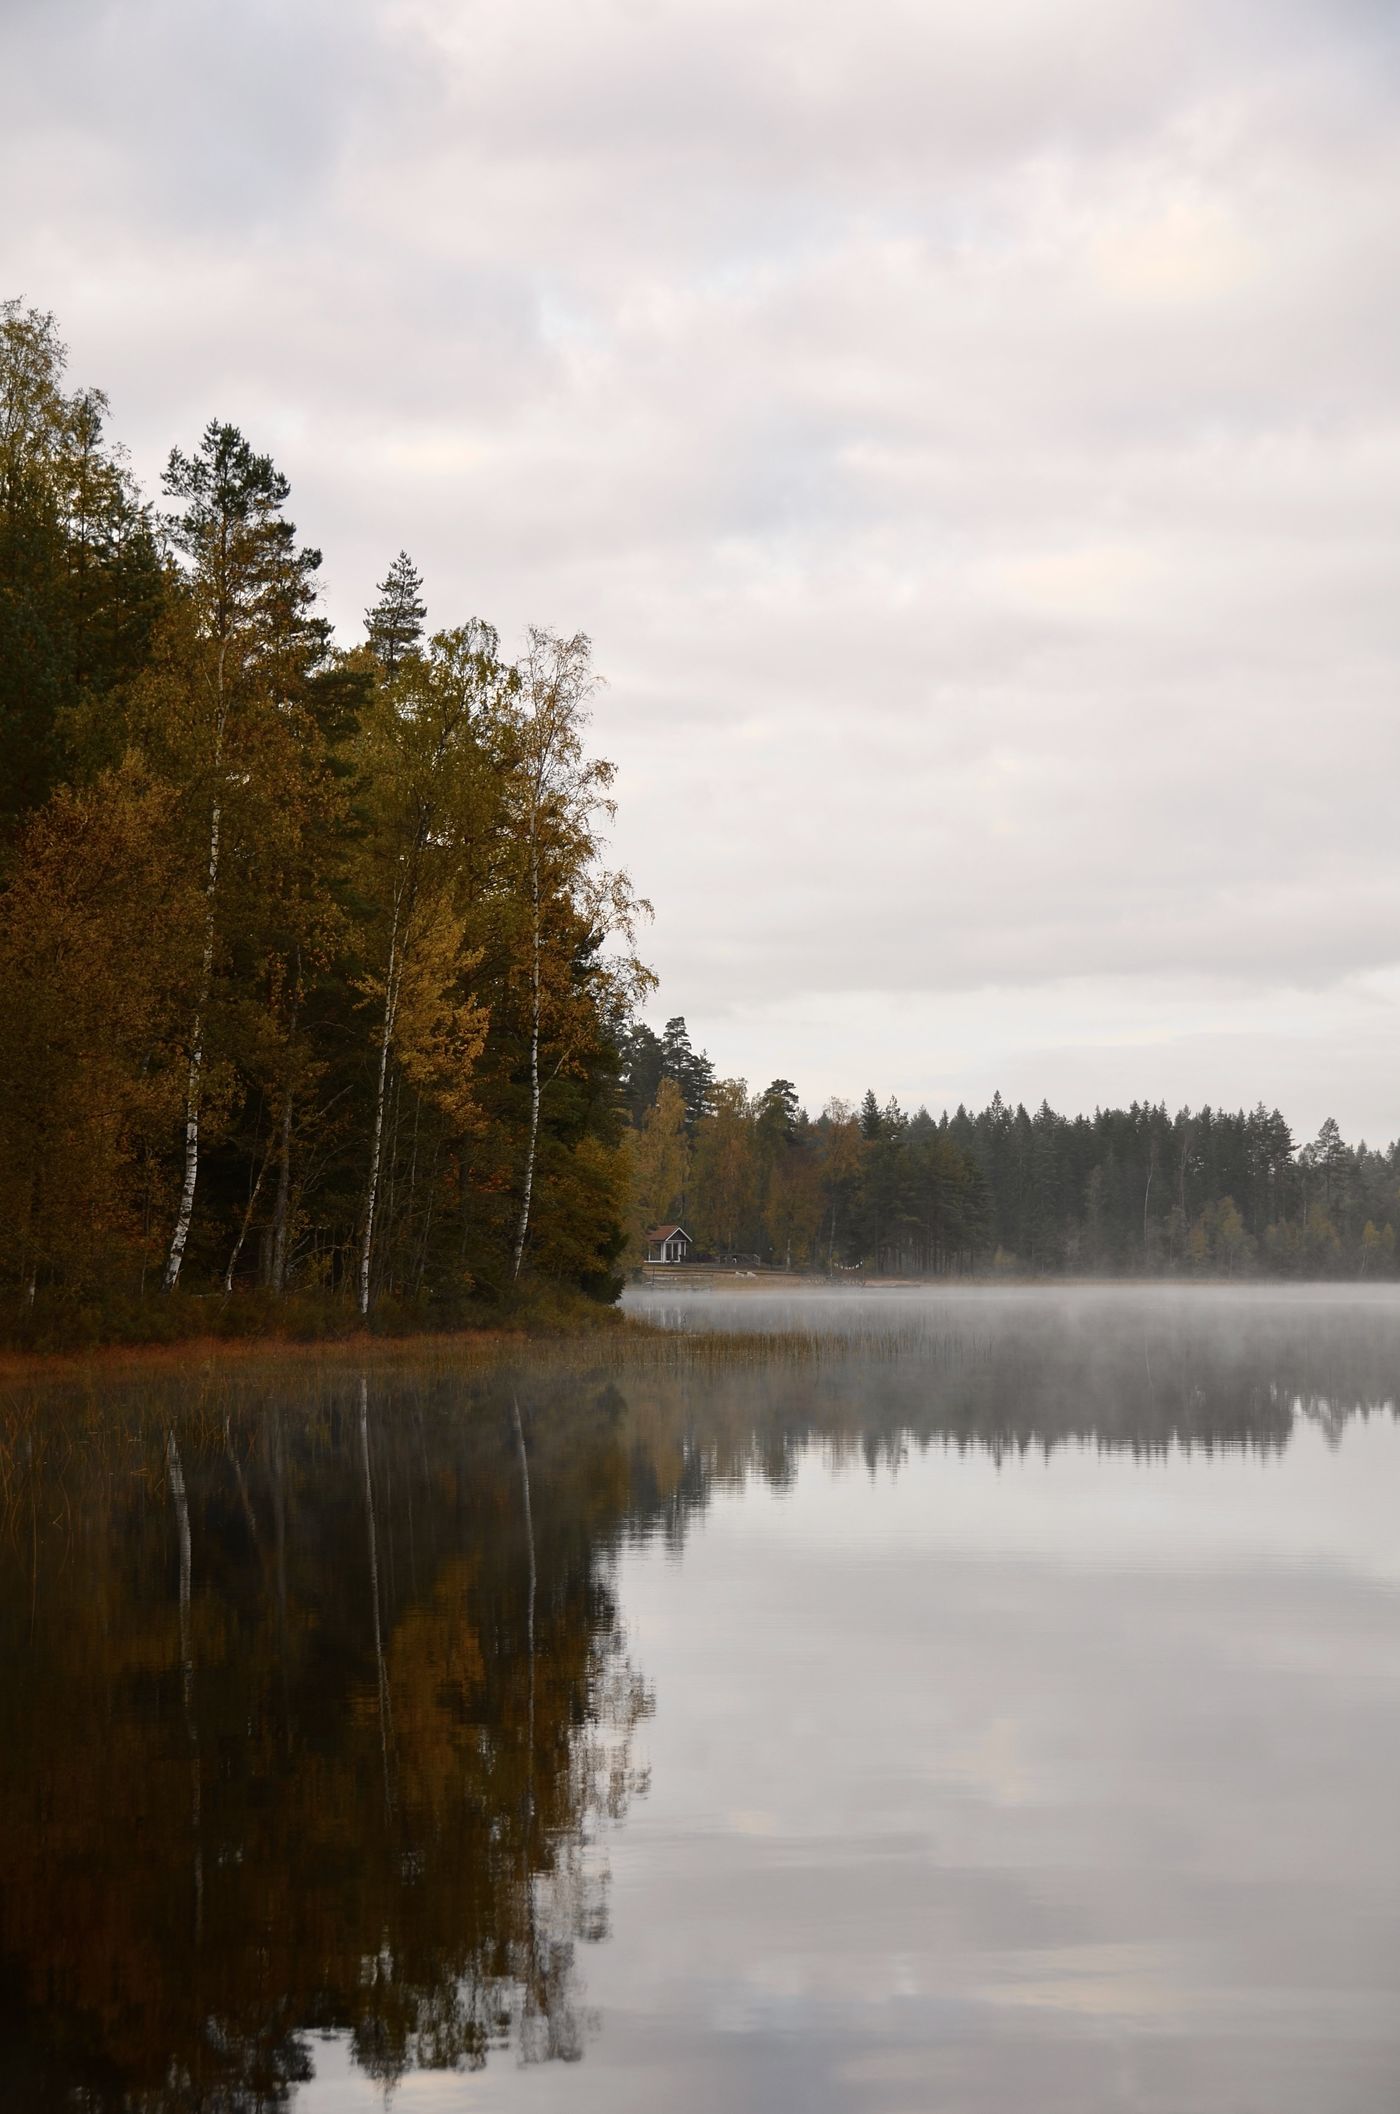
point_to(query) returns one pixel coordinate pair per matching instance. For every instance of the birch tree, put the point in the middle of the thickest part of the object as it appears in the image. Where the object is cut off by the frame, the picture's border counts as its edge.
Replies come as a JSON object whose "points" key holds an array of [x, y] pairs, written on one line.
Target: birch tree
{"points": [[250, 591], [423, 756], [561, 806]]}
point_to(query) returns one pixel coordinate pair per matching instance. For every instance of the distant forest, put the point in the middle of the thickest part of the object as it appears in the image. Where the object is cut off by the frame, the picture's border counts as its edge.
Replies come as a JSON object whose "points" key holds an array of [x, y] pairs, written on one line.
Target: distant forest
{"points": [[876, 1190], [313, 970]]}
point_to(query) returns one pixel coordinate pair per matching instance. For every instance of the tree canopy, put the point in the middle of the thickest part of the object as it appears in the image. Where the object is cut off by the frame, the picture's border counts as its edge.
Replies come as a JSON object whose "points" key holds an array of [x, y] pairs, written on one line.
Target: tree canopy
{"points": [[317, 962]]}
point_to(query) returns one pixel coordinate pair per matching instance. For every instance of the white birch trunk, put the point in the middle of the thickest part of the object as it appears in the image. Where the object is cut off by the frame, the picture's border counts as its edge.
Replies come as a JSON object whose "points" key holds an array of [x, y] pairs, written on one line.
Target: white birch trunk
{"points": [[243, 1230], [195, 1079]]}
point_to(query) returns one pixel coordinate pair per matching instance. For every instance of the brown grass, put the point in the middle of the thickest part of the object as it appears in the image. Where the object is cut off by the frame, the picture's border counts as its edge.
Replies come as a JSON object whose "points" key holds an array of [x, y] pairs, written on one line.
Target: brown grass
{"points": [[204, 1352], [631, 1343]]}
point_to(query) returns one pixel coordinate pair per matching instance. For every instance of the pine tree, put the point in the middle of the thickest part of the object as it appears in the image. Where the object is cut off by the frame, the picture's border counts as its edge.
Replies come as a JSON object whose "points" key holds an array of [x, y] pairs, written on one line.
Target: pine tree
{"points": [[250, 595], [395, 624], [691, 1069], [642, 1070]]}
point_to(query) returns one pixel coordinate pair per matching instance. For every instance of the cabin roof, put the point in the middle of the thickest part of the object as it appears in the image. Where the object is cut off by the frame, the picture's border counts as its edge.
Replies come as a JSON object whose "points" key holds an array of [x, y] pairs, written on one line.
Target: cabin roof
{"points": [[664, 1233]]}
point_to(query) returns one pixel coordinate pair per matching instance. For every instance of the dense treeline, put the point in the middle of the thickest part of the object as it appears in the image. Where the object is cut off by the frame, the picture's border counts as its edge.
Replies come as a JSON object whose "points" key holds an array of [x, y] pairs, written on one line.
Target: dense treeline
{"points": [[305, 947], [874, 1188]]}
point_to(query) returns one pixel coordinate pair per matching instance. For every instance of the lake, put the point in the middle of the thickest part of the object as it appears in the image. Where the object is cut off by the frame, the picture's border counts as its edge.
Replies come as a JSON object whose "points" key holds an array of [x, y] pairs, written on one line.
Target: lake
{"points": [[975, 1701]]}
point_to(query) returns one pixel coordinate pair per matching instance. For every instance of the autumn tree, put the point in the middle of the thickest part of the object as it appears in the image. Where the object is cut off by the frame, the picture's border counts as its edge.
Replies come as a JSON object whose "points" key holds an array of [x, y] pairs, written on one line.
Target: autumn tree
{"points": [[94, 984], [724, 1183], [658, 1163], [434, 840], [560, 806]]}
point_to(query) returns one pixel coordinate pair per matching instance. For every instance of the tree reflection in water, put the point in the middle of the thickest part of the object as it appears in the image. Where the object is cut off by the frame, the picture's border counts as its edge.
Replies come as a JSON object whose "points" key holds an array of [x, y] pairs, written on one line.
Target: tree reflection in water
{"points": [[318, 1705], [397, 1790]]}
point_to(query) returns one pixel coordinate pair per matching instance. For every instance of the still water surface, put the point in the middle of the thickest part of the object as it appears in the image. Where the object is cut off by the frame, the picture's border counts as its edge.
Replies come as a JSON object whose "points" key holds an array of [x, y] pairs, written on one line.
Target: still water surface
{"points": [[991, 1705]]}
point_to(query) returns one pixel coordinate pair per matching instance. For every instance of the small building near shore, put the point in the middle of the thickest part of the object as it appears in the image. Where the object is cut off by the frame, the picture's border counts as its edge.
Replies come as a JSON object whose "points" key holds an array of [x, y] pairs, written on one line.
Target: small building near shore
{"points": [[668, 1244]]}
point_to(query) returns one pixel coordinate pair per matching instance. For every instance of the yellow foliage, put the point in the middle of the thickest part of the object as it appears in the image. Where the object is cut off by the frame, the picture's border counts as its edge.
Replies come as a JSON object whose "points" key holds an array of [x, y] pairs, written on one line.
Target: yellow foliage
{"points": [[439, 1028]]}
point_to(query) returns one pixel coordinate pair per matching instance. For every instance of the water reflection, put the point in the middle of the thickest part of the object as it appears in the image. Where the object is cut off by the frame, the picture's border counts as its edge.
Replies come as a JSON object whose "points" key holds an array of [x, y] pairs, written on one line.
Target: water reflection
{"points": [[319, 1714], [314, 1711]]}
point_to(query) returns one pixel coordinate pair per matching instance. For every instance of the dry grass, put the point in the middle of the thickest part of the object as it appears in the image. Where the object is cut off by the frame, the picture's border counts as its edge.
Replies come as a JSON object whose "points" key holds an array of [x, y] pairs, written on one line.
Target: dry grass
{"points": [[630, 1345], [204, 1353]]}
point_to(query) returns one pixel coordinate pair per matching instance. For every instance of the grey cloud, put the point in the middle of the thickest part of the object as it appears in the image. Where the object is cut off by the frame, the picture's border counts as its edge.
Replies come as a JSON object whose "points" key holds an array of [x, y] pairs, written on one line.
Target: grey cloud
{"points": [[971, 436]]}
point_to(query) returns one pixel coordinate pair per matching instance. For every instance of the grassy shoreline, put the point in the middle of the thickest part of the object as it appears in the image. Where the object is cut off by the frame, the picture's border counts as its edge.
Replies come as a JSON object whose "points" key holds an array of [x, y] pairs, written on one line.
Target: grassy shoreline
{"points": [[632, 1344], [204, 1351], [195, 1326]]}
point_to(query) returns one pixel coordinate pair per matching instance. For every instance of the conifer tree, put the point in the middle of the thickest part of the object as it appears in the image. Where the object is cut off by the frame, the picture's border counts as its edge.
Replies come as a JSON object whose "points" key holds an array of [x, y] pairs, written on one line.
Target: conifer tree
{"points": [[690, 1068], [250, 591], [395, 623]]}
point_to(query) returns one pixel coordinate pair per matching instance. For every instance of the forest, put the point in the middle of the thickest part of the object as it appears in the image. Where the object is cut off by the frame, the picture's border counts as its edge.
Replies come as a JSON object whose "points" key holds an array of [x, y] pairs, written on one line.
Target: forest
{"points": [[874, 1190], [313, 965], [322, 1001]]}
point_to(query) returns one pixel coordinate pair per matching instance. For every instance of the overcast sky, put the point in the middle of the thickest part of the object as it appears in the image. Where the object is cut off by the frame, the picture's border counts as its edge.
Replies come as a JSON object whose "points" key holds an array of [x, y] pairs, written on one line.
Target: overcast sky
{"points": [[969, 430]]}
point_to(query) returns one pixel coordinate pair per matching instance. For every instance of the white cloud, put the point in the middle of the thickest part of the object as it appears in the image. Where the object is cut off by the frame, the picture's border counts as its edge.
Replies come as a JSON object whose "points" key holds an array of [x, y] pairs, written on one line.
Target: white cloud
{"points": [[971, 435]]}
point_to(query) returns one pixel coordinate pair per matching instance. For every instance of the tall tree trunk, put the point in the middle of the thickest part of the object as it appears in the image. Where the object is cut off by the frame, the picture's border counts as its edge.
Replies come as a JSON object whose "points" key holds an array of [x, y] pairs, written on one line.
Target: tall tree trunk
{"points": [[534, 1130], [377, 1146], [281, 1209], [195, 1077], [237, 1249]]}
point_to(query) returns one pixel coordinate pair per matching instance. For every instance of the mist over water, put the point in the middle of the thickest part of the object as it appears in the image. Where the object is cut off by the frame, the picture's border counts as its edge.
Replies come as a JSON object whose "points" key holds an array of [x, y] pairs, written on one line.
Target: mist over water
{"points": [[980, 1699]]}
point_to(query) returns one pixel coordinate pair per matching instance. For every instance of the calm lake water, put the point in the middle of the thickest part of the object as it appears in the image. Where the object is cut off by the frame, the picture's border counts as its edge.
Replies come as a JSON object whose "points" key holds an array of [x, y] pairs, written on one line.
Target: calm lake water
{"points": [[979, 1702]]}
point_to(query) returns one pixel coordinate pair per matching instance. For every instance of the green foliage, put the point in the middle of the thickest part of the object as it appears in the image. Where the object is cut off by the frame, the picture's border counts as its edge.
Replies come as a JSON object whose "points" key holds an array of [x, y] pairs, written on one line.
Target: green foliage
{"points": [[394, 626], [271, 916], [80, 578]]}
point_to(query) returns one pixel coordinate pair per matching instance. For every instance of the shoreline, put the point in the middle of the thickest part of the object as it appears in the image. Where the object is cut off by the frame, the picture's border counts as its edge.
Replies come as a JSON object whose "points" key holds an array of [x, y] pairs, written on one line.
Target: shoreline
{"points": [[206, 1352]]}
